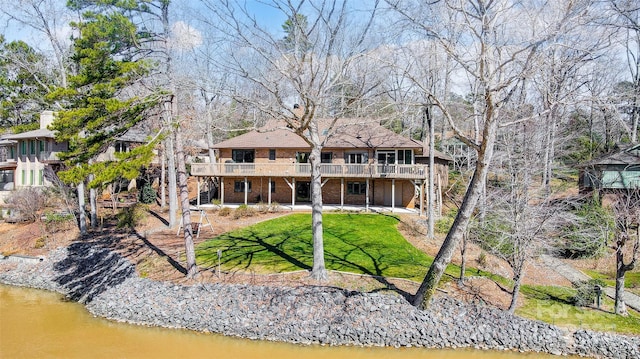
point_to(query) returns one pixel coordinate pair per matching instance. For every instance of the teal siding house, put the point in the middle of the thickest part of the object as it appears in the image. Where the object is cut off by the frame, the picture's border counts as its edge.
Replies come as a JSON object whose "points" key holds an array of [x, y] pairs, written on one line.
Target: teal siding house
{"points": [[620, 170]]}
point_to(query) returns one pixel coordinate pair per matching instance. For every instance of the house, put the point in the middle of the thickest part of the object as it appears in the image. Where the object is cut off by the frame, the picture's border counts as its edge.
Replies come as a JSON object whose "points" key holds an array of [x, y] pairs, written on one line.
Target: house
{"points": [[25, 156], [619, 170], [362, 163]]}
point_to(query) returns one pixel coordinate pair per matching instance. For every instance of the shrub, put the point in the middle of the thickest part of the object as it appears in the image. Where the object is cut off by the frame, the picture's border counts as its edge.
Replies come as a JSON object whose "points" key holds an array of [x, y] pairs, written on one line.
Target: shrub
{"points": [[131, 216], [443, 225], [262, 207], [56, 221], [588, 234], [224, 211], [275, 207], [148, 194], [586, 292], [243, 211], [27, 202]]}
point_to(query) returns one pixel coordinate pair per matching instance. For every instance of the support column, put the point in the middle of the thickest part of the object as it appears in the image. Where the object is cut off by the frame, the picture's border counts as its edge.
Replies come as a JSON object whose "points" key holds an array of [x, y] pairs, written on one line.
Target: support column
{"points": [[393, 194], [293, 193], [246, 191], [366, 205], [198, 194], [221, 191], [422, 199], [342, 194], [269, 192]]}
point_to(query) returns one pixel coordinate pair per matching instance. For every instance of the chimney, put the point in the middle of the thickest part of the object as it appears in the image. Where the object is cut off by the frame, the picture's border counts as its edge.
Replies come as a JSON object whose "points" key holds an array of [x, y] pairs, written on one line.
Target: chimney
{"points": [[46, 118]]}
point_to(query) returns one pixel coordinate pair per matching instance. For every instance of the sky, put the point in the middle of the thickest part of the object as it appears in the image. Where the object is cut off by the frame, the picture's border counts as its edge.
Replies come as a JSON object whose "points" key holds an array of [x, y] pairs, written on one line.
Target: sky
{"points": [[185, 25]]}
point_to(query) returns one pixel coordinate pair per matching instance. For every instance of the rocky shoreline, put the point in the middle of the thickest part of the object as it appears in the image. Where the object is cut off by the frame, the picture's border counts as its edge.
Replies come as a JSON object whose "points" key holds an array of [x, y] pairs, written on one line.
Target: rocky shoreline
{"points": [[108, 286]]}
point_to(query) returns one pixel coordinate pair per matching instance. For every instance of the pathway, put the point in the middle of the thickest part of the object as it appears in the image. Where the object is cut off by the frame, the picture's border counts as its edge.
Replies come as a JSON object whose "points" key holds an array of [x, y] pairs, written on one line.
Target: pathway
{"points": [[574, 275]]}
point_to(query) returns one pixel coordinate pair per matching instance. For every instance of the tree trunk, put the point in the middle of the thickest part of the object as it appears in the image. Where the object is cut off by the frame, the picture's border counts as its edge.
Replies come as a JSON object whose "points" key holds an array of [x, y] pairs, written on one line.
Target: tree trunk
{"points": [[82, 217], [431, 199], [463, 261], [184, 200], [516, 290], [171, 173], [163, 177], [318, 272], [443, 258], [93, 204], [620, 307]]}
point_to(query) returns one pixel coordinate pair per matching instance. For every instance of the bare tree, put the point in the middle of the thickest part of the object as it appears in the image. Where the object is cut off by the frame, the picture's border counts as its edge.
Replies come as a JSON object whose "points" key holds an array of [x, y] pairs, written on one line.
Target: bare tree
{"points": [[520, 217], [501, 45], [626, 208], [299, 78]]}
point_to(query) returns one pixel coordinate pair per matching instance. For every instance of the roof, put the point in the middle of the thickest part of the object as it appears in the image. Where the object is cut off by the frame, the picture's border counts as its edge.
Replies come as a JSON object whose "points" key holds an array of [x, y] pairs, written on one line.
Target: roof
{"points": [[629, 156], [346, 133], [39, 133]]}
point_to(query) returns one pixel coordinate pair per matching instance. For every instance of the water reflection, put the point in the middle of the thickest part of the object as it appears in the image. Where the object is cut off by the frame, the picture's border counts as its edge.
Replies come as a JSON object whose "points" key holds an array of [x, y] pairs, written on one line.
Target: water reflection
{"points": [[39, 324]]}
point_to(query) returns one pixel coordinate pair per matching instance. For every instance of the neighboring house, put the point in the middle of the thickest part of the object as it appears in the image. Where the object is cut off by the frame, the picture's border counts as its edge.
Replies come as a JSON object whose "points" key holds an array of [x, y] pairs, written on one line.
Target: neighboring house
{"points": [[25, 156], [620, 170], [362, 164]]}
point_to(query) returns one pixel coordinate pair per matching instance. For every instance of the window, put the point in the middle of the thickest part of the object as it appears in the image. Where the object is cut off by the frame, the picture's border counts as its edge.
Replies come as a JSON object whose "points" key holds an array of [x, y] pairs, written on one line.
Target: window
{"points": [[24, 177], [273, 187], [356, 188], [243, 156], [32, 147], [326, 157], [352, 158], [238, 186], [121, 147], [23, 147], [41, 177], [272, 154], [302, 157], [405, 157], [41, 146], [32, 177]]}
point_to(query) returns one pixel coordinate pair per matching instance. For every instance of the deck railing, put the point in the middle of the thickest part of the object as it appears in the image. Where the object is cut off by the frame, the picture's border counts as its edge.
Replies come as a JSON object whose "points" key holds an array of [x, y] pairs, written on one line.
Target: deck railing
{"points": [[304, 170]]}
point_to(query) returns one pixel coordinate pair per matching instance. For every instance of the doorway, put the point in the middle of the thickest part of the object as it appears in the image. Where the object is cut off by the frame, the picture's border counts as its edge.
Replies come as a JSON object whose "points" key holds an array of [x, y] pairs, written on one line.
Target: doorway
{"points": [[303, 191]]}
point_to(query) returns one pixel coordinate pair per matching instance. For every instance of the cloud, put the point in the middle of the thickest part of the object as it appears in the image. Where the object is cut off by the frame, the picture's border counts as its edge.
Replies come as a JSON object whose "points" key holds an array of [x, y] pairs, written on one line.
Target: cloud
{"points": [[185, 37]]}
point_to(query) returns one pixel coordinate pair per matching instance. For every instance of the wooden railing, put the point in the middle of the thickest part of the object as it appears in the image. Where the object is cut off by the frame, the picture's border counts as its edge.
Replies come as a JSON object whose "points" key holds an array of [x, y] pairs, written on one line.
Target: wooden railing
{"points": [[304, 170]]}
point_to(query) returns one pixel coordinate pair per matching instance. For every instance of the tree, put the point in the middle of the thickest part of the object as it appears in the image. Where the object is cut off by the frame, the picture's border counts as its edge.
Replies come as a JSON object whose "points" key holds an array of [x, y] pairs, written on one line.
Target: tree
{"points": [[520, 216], [626, 209], [24, 83], [100, 104], [297, 87], [500, 46]]}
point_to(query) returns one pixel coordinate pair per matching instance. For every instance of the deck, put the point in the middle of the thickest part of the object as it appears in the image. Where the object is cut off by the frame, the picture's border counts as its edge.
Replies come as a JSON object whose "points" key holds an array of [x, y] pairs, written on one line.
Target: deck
{"points": [[304, 170]]}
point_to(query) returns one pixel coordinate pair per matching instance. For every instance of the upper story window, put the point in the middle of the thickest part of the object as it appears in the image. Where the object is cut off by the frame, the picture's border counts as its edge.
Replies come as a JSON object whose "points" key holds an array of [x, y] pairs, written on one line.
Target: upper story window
{"points": [[243, 156], [405, 157], [355, 158], [121, 147], [272, 154], [326, 157]]}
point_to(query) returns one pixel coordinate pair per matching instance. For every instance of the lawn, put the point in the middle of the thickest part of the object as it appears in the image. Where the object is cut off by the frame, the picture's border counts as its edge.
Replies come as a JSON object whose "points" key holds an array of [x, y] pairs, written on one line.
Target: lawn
{"points": [[371, 244], [357, 243], [554, 305]]}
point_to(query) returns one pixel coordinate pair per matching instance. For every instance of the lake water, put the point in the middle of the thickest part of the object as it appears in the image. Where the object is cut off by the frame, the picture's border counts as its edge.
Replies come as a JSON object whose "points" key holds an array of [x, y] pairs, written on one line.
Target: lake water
{"points": [[40, 324]]}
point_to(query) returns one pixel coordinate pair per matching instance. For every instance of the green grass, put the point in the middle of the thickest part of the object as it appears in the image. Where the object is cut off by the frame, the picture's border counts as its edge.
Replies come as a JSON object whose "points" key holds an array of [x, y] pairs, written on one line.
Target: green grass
{"points": [[371, 244], [357, 243], [631, 279], [553, 305]]}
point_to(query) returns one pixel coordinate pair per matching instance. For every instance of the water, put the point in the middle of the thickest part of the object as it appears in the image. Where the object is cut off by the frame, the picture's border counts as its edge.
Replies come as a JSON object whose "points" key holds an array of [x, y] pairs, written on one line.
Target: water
{"points": [[40, 324]]}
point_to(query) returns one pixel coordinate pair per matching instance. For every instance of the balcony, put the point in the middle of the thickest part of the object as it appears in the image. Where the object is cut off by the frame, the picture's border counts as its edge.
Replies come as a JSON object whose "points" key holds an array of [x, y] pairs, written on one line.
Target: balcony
{"points": [[48, 156], [304, 170]]}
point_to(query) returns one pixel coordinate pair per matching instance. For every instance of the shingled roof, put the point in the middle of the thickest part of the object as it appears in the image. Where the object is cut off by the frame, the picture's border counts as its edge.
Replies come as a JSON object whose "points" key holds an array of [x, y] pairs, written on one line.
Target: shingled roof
{"points": [[629, 156], [346, 133]]}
